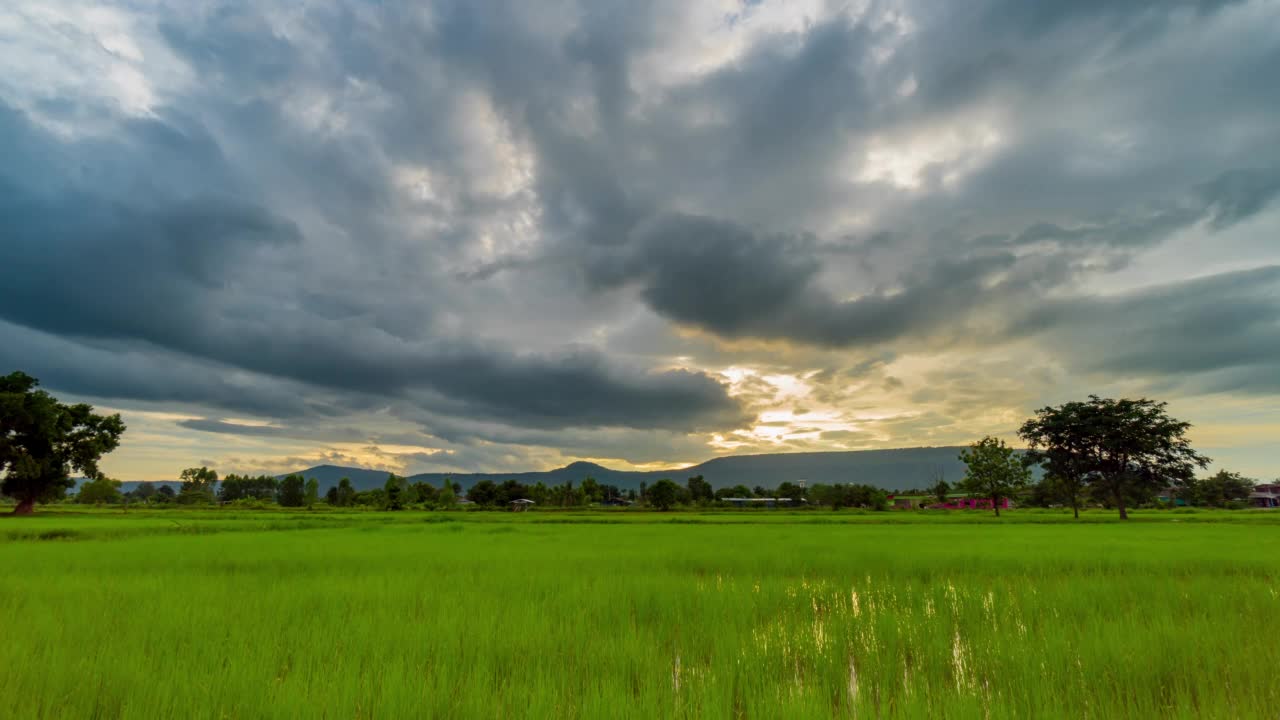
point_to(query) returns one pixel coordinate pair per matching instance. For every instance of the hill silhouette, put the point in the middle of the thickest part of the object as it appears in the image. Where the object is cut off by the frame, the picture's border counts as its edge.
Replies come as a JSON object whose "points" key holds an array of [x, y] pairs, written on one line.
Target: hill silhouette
{"points": [[896, 469]]}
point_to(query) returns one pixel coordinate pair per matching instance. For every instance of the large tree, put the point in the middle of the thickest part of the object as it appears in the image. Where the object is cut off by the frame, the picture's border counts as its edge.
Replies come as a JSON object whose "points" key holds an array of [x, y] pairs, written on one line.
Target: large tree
{"points": [[700, 490], [99, 491], [483, 493], [591, 490], [663, 494], [993, 470], [292, 491], [447, 497], [312, 492], [422, 492], [791, 491], [397, 491], [1115, 447], [144, 491], [1220, 489], [198, 485], [43, 440], [346, 493], [1059, 443]]}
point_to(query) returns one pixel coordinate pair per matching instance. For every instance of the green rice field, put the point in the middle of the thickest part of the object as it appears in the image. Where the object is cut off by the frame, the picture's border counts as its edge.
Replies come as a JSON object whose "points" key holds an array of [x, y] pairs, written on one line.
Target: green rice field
{"points": [[207, 614]]}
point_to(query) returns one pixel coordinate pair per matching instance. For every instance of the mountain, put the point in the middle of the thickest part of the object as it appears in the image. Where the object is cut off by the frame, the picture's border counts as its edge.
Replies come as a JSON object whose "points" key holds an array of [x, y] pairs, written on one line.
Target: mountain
{"points": [[329, 475], [897, 469]]}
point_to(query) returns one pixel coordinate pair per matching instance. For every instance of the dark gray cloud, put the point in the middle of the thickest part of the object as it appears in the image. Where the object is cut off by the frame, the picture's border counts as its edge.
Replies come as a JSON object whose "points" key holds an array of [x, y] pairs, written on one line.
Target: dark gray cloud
{"points": [[150, 374], [1223, 331], [1238, 195], [179, 274], [1231, 197], [737, 283], [221, 426], [1144, 15]]}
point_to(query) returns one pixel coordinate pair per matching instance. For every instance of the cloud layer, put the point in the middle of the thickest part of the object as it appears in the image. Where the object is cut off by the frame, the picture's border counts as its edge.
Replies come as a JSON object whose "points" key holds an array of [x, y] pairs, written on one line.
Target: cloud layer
{"points": [[493, 235]]}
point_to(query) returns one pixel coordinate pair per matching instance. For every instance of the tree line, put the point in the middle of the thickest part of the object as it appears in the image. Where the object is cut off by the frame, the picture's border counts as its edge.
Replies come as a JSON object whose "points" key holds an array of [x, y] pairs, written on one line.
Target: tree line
{"points": [[1224, 489]]}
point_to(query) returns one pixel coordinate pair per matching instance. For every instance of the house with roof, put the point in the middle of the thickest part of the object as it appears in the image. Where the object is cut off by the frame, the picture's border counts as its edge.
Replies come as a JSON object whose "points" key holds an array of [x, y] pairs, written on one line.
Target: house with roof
{"points": [[955, 501], [1266, 495]]}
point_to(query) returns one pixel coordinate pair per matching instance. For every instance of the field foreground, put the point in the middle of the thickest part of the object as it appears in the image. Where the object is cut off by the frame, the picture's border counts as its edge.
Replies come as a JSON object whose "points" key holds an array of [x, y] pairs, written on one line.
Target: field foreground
{"points": [[376, 615]]}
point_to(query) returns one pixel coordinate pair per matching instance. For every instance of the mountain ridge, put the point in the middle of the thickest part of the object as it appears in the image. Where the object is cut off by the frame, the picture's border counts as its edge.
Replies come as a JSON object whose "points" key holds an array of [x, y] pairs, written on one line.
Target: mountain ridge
{"points": [[891, 469]]}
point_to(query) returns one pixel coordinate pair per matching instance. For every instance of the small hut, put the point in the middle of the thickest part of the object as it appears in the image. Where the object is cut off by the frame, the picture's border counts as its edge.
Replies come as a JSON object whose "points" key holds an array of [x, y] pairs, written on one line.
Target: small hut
{"points": [[521, 504]]}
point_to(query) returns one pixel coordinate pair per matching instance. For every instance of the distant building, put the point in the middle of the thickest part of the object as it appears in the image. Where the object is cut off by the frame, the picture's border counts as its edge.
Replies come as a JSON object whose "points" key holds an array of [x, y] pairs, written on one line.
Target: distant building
{"points": [[960, 501], [521, 505], [756, 502], [1266, 495], [955, 501], [907, 502]]}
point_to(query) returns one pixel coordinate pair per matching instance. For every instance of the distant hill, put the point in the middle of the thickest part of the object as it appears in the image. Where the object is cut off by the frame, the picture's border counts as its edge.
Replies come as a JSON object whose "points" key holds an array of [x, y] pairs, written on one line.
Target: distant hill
{"points": [[897, 469], [889, 469], [329, 475], [130, 486]]}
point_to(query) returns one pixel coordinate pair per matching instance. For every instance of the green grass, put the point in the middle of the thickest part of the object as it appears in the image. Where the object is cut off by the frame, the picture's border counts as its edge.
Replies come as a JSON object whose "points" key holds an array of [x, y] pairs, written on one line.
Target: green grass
{"points": [[207, 614]]}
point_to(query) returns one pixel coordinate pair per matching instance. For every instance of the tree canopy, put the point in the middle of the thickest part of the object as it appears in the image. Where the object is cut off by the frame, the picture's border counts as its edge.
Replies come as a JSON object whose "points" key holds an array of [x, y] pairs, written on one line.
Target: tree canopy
{"points": [[395, 492], [1115, 447], [292, 491], [849, 495], [43, 440], [143, 491], [198, 485], [994, 471], [663, 494], [344, 495], [99, 491], [1219, 490], [700, 490]]}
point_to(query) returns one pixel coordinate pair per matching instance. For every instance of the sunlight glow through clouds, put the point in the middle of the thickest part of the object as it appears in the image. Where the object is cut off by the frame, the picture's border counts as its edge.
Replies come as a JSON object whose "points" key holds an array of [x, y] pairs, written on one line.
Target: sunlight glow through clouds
{"points": [[109, 53], [907, 162]]}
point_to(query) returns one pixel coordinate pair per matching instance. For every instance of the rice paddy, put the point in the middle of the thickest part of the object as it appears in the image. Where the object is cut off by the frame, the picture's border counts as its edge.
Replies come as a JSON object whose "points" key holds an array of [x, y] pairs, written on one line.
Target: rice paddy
{"points": [[203, 614]]}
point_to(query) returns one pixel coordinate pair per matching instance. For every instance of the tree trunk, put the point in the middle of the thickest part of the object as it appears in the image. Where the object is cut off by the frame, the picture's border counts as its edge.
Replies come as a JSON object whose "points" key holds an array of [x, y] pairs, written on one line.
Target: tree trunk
{"points": [[25, 507], [995, 504], [1075, 508], [1124, 514]]}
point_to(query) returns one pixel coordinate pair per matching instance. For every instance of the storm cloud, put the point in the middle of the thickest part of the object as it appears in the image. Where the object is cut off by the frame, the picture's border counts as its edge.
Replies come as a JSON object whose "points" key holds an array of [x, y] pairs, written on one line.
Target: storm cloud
{"points": [[500, 232], [1222, 331], [201, 275]]}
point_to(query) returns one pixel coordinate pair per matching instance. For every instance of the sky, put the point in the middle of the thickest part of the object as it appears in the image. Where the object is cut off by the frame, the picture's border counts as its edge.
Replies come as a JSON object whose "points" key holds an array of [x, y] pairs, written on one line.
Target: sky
{"points": [[480, 235]]}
